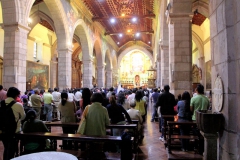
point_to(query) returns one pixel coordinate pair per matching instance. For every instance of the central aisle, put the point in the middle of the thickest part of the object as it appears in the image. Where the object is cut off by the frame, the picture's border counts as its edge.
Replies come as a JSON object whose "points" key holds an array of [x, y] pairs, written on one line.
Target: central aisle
{"points": [[151, 148]]}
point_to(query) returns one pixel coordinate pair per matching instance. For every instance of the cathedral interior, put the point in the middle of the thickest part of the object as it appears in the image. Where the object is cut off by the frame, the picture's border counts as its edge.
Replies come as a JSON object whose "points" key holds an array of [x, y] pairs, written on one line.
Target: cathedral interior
{"points": [[135, 43]]}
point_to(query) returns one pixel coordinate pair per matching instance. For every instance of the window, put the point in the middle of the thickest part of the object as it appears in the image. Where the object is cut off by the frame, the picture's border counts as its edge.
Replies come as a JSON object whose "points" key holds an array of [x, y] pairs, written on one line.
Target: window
{"points": [[35, 50]]}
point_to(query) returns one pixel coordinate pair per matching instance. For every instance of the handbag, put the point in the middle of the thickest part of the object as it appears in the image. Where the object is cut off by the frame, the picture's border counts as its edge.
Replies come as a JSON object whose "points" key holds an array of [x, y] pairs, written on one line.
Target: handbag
{"points": [[83, 122]]}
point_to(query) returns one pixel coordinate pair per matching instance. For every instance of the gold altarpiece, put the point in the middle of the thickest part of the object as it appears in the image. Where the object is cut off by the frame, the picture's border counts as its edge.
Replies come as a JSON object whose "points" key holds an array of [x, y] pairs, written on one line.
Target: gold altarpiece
{"points": [[133, 70]]}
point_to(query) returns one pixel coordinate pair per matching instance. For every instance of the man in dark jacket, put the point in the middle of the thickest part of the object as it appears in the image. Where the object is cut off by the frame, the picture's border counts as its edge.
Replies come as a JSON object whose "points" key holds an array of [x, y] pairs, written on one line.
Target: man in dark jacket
{"points": [[166, 101]]}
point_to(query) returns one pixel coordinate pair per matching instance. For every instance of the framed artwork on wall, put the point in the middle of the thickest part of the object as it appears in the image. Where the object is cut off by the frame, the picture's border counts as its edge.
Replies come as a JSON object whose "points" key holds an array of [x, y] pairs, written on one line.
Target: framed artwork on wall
{"points": [[208, 75], [37, 75]]}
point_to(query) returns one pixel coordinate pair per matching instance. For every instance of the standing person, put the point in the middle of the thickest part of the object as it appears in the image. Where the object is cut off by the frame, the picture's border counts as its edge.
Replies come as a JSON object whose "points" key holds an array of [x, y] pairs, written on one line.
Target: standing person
{"points": [[48, 99], [67, 109], [77, 98], [140, 104], [184, 114], [166, 101], [3, 93], [96, 117], [154, 98], [56, 95], [132, 96], [199, 102], [109, 92], [9, 141], [70, 95], [86, 94], [121, 99], [36, 102], [115, 112]]}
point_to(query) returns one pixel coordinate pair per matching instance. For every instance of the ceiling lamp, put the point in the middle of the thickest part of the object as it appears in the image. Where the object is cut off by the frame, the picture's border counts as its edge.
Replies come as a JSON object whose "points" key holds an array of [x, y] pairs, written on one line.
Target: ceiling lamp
{"points": [[118, 43], [120, 35], [137, 34], [129, 30], [134, 19], [149, 42], [123, 14], [112, 20]]}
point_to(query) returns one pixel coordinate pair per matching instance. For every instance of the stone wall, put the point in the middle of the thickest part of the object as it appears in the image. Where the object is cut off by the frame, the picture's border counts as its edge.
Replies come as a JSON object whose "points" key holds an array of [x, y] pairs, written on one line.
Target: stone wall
{"points": [[225, 36]]}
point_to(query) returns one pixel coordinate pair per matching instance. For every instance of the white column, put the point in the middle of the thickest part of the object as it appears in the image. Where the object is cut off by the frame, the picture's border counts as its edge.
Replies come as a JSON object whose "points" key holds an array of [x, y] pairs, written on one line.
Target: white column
{"points": [[64, 68], [164, 65], [100, 76], [15, 56], [87, 74], [109, 78], [53, 74], [180, 46]]}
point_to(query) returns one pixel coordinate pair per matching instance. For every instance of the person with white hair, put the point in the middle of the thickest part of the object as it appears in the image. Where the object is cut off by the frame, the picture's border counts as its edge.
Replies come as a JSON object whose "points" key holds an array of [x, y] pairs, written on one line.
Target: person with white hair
{"points": [[135, 115]]}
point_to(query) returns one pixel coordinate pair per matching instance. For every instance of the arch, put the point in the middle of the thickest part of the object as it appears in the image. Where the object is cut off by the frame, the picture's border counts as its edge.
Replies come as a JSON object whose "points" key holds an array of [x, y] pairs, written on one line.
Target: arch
{"points": [[199, 43], [202, 7], [37, 16], [135, 48], [80, 29]]}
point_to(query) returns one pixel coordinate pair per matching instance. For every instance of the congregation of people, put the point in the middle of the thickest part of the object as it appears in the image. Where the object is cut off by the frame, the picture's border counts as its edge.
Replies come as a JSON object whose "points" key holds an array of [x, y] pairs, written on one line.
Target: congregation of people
{"points": [[101, 107]]}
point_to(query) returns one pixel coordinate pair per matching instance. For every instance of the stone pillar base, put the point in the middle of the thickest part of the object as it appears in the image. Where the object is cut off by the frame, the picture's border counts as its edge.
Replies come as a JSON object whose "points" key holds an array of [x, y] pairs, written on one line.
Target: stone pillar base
{"points": [[210, 146]]}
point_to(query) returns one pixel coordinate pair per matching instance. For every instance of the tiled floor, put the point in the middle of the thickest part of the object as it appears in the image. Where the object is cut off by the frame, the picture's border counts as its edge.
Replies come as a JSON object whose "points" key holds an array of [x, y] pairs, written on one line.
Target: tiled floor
{"points": [[150, 149]]}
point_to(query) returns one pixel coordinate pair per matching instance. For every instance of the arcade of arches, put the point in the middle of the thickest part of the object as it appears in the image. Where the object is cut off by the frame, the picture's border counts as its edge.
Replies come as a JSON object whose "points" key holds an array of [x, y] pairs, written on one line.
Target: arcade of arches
{"points": [[48, 43]]}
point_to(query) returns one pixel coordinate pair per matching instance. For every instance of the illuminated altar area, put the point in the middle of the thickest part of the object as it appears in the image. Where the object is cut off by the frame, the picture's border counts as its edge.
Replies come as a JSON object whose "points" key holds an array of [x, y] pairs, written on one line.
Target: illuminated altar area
{"points": [[133, 69]]}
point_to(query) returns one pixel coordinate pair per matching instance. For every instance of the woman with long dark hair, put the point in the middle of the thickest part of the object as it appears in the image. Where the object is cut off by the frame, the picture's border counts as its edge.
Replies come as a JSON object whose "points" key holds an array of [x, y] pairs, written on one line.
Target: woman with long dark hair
{"points": [[121, 99], [67, 110], [184, 114], [86, 94], [115, 112]]}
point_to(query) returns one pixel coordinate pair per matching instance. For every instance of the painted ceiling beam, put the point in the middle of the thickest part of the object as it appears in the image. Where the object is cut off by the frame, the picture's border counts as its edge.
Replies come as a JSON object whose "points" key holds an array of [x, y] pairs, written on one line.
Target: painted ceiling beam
{"points": [[117, 33], [151, 16]]}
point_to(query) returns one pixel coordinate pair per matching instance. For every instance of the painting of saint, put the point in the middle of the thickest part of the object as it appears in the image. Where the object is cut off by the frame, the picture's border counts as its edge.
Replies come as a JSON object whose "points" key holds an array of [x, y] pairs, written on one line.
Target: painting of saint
{"points": [[37, 75], [137, 80]]}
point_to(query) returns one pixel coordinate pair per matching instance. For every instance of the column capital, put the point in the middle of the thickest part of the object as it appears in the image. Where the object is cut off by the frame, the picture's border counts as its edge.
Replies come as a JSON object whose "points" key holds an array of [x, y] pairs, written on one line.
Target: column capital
{"points": [[16, 25], [164, 47], [65, 50], [173, 17]]}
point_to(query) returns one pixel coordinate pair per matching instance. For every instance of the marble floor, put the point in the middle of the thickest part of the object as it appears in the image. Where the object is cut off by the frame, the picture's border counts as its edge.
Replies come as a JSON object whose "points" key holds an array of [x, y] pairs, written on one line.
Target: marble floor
{"points": [[150, 149]]}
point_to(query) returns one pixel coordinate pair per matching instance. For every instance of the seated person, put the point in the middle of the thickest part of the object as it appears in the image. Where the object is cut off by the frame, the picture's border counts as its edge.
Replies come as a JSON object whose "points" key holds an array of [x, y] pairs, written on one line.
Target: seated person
{"points": [[135, 115], [34, 125]]}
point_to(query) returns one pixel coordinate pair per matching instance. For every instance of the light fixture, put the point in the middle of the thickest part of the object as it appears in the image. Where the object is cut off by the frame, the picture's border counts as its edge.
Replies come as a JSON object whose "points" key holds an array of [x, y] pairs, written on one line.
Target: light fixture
{"points": [[123, 14], [29, 20], [137, 34], [118, 43], [134, 19], [112, 20], [196, 12], [149, 42], [129, 30], [120, 35]]}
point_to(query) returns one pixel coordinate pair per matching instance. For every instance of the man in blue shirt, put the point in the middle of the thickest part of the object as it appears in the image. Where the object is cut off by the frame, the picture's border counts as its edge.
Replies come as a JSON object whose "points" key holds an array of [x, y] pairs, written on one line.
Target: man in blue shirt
{"points": [[154, 99]]}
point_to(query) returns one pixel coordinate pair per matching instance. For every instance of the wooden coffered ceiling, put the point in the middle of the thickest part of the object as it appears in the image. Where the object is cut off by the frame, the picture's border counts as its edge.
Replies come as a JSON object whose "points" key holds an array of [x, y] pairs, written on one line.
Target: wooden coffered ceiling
{"points": [[124, 29]]}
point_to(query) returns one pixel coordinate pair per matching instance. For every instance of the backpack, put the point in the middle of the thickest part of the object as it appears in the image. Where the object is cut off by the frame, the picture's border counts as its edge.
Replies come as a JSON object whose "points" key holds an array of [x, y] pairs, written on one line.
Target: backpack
{"points": [[8, 124]]}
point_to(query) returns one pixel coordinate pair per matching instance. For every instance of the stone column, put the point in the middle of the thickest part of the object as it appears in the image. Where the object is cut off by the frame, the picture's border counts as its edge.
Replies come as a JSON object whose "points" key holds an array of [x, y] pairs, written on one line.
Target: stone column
{"points": [[15, 56], [164, 65], [180, 46], [53, 74], [202, 72], [210, 146], [109, 78], [100, 76], [87, 74], [64, 68]]}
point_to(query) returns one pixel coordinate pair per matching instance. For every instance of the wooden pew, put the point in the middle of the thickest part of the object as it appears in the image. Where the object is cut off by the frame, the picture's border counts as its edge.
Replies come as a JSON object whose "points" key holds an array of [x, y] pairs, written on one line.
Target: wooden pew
{"points": [[171, 125], [166, 119], [75, 137]]}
